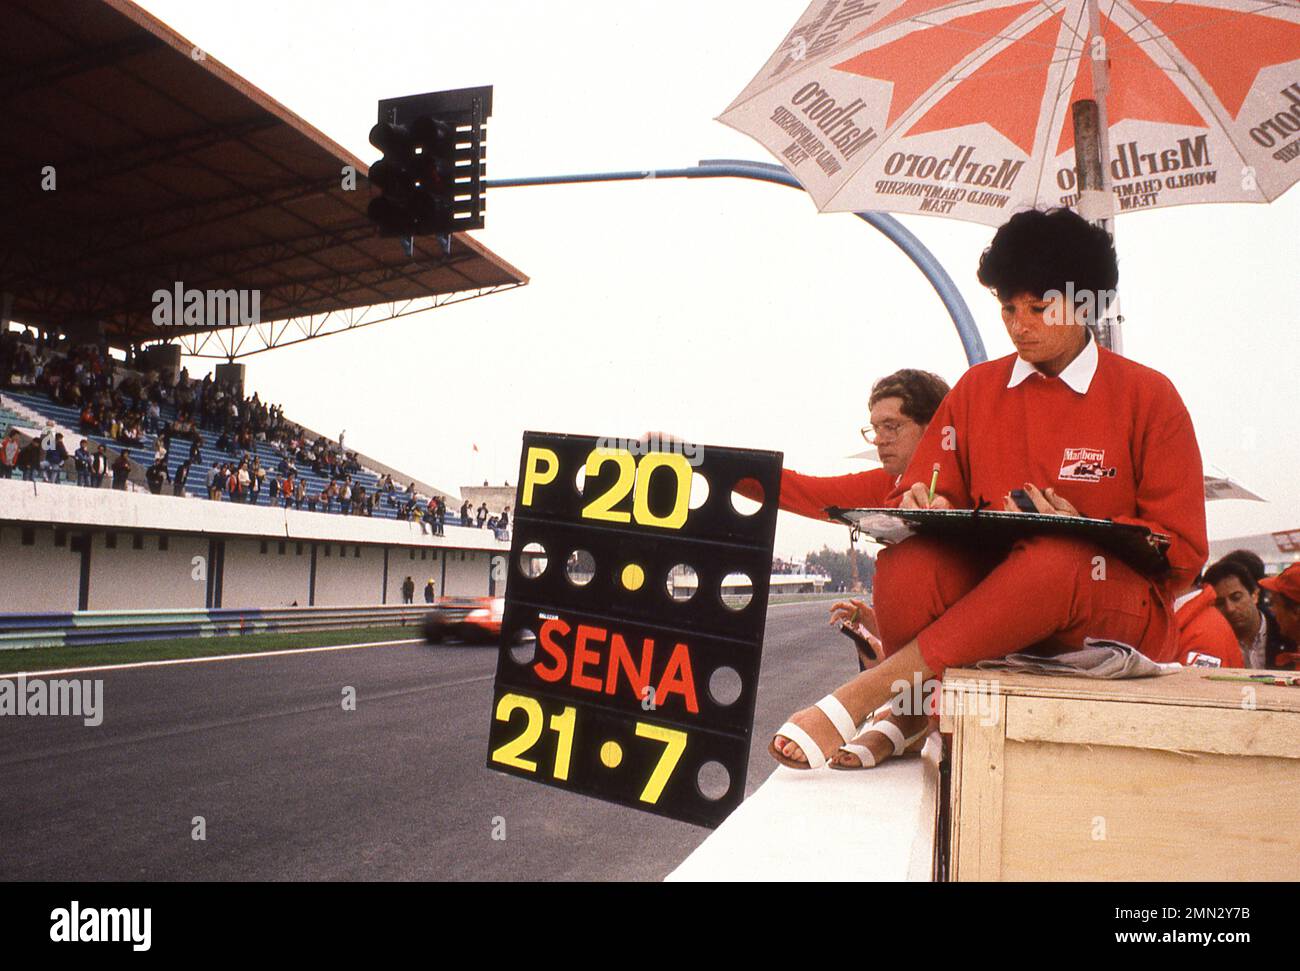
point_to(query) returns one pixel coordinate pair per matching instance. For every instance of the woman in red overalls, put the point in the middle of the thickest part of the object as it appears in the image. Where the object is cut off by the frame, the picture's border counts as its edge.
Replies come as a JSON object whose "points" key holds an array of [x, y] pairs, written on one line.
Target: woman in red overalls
{"points": [[1083, 431]]}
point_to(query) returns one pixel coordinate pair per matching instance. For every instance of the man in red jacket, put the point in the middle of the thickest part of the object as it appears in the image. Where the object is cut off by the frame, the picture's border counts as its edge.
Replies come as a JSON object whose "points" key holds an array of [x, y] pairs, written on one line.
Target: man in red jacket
{"points": [[1205, 639], [1285, 591], [1082, 431], [901, 406]]}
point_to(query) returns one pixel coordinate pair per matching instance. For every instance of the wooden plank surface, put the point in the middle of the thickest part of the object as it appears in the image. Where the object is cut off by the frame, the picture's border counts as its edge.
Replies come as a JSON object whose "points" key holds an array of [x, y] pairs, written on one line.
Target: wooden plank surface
{"points": [[977, 819], [1073, 812], [1175, 728], [1187, 687]]}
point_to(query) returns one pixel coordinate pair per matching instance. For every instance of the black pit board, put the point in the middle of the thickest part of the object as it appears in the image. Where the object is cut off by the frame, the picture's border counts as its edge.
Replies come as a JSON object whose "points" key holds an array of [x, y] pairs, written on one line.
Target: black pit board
{"points": [[613, 697]]}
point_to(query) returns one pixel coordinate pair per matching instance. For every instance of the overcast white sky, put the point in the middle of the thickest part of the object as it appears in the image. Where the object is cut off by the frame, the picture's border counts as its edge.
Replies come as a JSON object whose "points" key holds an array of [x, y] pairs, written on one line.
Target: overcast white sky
{"points": [[728, 312]]}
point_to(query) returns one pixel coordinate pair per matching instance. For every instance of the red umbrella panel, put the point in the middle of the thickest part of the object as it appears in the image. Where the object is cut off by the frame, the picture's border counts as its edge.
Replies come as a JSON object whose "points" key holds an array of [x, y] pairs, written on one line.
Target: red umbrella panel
{"points": [[963, 109]]}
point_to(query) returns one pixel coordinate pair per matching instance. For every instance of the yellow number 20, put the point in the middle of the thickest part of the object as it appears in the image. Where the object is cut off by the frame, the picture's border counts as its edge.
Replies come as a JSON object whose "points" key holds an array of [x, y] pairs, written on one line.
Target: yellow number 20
{"points": [[633, 476]]}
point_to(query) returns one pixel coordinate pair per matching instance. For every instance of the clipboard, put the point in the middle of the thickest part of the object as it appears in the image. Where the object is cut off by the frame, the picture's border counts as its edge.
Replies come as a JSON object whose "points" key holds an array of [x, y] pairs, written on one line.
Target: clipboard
{"points": [[1139, 547]]}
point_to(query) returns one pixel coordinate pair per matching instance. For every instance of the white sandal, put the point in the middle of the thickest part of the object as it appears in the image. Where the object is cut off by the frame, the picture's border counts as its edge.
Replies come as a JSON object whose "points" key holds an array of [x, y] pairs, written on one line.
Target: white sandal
{"points": [[839, 716], [867, 758]]}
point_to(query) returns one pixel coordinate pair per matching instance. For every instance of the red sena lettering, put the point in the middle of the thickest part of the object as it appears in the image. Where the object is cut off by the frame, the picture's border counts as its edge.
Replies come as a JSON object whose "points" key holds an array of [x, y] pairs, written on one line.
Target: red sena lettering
{"points": [[584, 672]]}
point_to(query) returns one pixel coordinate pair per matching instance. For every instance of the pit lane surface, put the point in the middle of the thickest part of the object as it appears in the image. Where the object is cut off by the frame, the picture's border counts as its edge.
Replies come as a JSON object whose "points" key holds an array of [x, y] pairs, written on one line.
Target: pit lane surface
{"points": [[293, 787]]}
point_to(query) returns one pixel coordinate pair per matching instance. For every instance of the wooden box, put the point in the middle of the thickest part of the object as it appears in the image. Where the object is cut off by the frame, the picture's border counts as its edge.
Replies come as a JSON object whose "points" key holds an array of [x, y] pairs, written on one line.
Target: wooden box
{"points": [[1169, 778]]}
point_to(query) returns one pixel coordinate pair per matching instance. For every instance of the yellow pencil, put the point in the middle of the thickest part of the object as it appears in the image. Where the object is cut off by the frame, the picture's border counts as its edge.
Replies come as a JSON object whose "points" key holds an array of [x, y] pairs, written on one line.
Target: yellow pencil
{"points": [[934, 481]]}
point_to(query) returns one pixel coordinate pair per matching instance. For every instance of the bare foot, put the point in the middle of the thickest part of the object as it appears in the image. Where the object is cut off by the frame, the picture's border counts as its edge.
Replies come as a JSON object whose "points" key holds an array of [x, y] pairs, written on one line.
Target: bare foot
{"points": [[879, 744], [817, 725]]}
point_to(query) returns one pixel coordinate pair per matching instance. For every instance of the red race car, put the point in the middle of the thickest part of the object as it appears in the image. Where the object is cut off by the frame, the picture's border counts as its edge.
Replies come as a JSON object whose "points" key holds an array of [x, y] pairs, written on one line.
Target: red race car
{"points": [[469, 619]]}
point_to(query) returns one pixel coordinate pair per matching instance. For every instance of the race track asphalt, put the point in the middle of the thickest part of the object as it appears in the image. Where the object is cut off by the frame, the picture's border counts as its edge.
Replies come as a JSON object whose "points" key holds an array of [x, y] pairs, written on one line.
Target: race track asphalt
{"points": [[293, 787]]}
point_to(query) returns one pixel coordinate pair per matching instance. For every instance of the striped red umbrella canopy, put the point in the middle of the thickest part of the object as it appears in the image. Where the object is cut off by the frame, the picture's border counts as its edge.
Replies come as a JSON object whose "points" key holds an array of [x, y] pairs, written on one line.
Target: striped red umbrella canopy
{"points": [[963, 109]]}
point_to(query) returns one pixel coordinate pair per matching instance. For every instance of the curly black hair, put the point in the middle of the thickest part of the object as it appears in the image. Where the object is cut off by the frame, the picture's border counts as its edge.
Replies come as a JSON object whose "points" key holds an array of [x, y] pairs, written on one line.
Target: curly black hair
{"points": [[1038, 251]]}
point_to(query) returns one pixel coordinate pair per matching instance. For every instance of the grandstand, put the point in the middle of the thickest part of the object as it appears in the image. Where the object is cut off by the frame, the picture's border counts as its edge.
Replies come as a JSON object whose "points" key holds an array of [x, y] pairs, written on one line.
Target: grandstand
{"points": [[28, 410], [141, 164]]}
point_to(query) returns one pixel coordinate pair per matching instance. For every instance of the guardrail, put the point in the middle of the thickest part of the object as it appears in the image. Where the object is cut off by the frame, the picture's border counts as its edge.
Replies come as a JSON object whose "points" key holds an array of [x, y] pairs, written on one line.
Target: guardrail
{"points": [[35, 630]]}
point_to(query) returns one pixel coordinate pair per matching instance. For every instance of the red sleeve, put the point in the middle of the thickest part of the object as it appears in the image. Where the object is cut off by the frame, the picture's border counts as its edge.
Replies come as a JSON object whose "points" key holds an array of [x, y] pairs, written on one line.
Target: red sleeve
{"points": [[1171, 486], [809, 495]]}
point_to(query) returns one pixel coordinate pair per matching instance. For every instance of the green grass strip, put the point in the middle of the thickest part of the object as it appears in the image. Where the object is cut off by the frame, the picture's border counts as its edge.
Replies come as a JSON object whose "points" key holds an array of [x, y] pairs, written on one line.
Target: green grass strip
{"points": [[45, 658]]}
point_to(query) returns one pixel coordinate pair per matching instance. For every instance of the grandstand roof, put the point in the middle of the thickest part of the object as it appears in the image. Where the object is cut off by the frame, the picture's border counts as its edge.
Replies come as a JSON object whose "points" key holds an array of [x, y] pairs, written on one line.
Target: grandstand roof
{"points": [[170, 167]]}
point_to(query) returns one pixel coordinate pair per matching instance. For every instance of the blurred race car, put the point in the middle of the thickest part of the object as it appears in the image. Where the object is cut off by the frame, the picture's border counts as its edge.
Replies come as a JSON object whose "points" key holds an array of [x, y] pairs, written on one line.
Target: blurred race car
{"points": [[470, 619]]}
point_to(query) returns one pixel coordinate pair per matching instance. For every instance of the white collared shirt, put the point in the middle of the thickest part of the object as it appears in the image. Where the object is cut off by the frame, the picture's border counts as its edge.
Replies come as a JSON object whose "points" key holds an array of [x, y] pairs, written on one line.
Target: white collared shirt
{"points": [[1078, 374]]}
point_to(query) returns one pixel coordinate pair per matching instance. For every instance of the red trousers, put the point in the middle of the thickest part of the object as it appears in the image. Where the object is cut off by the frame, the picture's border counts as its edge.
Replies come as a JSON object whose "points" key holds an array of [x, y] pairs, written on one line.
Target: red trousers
{"points": [[964, 606]]}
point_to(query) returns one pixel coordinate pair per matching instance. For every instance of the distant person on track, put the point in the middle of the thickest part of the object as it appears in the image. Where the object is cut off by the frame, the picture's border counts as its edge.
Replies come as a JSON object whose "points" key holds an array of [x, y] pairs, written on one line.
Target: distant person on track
{"points": [[408, 590], [429, 591]]}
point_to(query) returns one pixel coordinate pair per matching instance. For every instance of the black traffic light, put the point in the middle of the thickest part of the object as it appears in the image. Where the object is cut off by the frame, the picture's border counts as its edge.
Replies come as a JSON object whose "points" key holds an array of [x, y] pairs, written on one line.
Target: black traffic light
{"points": [[430, 178]]}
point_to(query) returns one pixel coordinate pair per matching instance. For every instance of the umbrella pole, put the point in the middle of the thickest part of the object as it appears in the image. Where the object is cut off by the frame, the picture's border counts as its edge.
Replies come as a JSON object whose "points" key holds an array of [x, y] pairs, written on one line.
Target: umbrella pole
{"points": [[1092, 170]]}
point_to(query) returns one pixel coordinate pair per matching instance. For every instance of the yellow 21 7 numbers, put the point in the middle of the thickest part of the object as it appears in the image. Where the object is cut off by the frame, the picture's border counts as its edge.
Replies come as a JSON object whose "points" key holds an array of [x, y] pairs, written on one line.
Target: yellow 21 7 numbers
{"points": [[511, 753]]}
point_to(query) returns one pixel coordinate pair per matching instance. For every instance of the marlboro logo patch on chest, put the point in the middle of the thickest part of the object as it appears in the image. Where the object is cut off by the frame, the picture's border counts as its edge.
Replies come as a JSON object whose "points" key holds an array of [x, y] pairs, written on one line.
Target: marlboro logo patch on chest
{"points": [[1085, 465]]}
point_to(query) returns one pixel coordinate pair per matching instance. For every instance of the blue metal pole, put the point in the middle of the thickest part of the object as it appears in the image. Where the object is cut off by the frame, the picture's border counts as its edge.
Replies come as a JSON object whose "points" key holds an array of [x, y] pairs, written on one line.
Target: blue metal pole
{"points": [[895, 231]]}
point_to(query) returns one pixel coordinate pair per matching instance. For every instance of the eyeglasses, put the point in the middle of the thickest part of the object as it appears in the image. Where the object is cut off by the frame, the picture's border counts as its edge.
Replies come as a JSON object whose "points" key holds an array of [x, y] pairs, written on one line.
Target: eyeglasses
{"points": [[886, 429]]}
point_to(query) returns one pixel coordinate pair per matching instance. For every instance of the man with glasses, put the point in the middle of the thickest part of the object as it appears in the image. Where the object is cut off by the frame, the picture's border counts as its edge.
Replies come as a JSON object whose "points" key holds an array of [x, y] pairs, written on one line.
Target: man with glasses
{"points": [[902, 405]]}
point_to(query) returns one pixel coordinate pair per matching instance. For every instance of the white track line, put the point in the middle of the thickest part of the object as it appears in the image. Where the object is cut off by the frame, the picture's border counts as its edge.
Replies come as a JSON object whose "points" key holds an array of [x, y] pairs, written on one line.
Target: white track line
{"points": [[219, 657], [251, 654]]}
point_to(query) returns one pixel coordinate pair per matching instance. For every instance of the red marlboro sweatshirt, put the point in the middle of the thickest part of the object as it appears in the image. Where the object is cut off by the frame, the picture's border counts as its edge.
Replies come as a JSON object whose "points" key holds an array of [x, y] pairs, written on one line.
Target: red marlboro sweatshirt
{"points": [[1123, 449]]}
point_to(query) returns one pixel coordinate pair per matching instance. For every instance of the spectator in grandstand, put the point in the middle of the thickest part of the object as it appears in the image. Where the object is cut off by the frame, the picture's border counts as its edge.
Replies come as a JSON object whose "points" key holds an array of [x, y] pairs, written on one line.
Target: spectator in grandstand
{"points": [[9, 450], [287, 485], [49, 455], [98, 467], [256, 479], [160, 449], [1237, 593], [429, 591], [299, 492], [464, 513], [29, 460], [180, 478], [156, 475], [122, 470], [408, 590], [216, 480], [482, 514], [81, 459]]}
